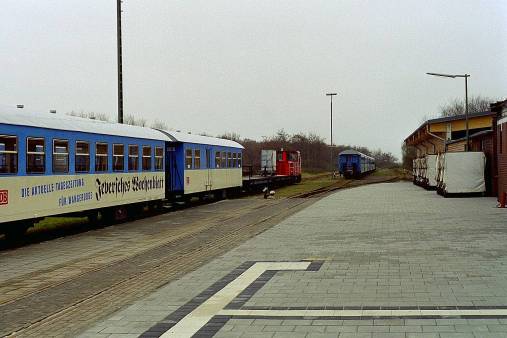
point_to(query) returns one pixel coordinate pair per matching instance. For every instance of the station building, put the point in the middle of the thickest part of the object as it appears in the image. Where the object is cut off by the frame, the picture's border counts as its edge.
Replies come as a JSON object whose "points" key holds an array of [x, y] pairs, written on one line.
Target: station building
{"points": [[500, 110], [448, 134]]}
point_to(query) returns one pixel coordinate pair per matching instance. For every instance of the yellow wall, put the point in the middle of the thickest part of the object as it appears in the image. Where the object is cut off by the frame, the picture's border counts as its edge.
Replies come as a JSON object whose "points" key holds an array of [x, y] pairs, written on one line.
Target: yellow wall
{"points": [[473, 123], [206, 180], [39, 196]]}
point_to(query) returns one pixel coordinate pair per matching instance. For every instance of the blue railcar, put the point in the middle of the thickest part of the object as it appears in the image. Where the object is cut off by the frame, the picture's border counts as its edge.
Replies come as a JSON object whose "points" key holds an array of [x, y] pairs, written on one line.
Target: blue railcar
{"points": [[352, 163], [54, 165], [199, 164]]}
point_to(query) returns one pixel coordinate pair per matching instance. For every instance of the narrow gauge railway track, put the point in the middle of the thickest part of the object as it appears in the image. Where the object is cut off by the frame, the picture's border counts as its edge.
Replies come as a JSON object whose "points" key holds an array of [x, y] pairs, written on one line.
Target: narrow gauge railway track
{"points": [[93, 287], [77, 302], [61, 273], [37, 236], [319, 192]]}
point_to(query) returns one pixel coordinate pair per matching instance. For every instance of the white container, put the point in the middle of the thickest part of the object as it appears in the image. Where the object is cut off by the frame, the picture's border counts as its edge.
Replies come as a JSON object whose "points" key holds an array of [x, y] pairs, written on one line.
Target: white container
{"points": [[431, 171], [463, 173], [268, 162], [440, 169], [422, 170]]}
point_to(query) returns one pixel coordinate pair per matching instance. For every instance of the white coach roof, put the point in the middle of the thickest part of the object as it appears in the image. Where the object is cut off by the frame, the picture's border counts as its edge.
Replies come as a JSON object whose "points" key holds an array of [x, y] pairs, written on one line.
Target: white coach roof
{"points": [[78, 124], [192, 138], [353, 152]]}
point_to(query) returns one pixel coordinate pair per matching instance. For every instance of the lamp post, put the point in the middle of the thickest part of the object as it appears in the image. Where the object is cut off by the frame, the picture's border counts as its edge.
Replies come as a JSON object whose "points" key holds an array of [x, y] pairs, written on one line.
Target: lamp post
{"points": [[331, 97], [119, 51], [466, 76]]}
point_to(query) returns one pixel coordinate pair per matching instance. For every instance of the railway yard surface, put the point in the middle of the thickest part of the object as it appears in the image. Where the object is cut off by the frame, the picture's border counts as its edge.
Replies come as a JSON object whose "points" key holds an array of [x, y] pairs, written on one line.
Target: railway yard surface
{"points": [[381, 260]]}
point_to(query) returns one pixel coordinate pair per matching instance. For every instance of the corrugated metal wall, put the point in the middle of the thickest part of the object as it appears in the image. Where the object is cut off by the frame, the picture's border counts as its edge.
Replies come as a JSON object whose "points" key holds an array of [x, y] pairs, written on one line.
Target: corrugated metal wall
{"points": [[502, 158], [486, 144], [456, 147]]}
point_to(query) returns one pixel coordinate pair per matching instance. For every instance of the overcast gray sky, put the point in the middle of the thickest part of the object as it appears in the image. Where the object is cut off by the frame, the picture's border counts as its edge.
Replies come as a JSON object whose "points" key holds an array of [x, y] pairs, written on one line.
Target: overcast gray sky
{"points": [[254, 67]]}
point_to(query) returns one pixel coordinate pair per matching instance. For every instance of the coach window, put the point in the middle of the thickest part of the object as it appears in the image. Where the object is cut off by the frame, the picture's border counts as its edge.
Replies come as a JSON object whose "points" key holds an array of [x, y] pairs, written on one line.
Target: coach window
{"points": [[35, 154], [239, 160], [159, 158], [197, 159], [188, 158], [82, 157], [8, 154], [224, 159], [229, 157], [118, 157], [101, 157], [133, 158], [60, 156], [217, 159], [234, 160], [146, 158]]}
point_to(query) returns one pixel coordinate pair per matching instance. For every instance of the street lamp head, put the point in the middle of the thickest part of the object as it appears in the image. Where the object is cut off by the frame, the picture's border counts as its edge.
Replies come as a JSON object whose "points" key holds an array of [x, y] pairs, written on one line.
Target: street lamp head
{"points": [[331, 94], [449, 75], [465, 76], [442, 75]]}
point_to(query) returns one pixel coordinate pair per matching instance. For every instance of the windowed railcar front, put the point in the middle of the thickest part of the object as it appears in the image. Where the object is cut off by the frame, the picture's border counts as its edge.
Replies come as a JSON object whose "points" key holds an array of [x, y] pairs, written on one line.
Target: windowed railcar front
{"points": [[51, 172]]}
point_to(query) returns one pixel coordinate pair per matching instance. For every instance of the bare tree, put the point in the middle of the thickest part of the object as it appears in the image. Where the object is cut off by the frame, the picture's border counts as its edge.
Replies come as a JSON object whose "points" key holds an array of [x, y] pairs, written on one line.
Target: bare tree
{"points": [[141, 122], [314, 151], [476, 104], [130, 120], [408, 154], [231, 136], [90, 115], [133, 121], [157, 124]]}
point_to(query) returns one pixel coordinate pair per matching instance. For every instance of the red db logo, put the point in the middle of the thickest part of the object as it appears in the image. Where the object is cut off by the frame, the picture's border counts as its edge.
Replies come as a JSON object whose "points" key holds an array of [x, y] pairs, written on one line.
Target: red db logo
{"points": [[4, 197]]}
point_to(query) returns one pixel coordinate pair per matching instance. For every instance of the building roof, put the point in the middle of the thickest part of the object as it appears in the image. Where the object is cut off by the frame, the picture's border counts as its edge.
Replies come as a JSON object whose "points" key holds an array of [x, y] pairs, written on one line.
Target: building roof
{"points": [[78, 124], [449, 119]]}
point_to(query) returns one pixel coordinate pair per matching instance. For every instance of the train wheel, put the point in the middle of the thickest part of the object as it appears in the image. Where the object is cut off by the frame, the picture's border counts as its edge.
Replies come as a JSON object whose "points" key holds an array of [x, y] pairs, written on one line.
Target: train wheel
{"points": [[120, 214], [114, 215], [156, 206], [93, 218], [16, 231], [135, 211]]}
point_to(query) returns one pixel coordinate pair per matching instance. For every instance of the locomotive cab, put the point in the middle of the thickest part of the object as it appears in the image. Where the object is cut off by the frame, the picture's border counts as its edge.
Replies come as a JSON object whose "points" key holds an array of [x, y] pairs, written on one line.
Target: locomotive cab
{"points": [[289, 164]]}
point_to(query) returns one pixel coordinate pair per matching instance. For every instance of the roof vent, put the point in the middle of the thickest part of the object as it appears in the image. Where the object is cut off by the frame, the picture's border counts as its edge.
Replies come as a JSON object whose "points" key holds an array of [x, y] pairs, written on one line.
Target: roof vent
{"points": [[52, 111]]}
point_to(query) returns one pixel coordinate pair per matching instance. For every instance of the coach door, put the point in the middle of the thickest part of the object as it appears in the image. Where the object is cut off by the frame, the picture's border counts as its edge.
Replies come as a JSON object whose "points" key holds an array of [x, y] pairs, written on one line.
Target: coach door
{"points": [[170, 170], [209, 172]]}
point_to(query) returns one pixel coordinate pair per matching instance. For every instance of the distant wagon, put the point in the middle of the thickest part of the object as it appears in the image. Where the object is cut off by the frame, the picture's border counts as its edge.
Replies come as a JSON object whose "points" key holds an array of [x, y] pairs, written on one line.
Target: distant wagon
{"points": [[352, 163]]}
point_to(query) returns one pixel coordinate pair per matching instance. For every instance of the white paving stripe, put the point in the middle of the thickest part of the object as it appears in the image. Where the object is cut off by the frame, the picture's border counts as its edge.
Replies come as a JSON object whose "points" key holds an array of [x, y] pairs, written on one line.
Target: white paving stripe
{"points": [[196, 319], [364, 313]]}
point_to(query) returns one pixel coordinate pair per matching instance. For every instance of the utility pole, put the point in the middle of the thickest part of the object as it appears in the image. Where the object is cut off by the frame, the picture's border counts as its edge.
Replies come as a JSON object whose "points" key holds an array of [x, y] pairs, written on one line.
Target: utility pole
{"points": [[466, 76], [466, 112], [331, 96], [120, 73]]}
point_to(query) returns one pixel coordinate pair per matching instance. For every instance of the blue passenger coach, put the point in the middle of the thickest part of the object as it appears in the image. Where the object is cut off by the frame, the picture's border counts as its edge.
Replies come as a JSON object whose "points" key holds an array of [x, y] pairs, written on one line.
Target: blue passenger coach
{"points": [[352, 163], [201, 164], [59, 165]]}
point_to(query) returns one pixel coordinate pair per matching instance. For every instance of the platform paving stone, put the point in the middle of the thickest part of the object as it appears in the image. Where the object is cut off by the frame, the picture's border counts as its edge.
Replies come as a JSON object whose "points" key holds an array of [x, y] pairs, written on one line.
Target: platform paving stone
{"points": [[383, 246]]}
